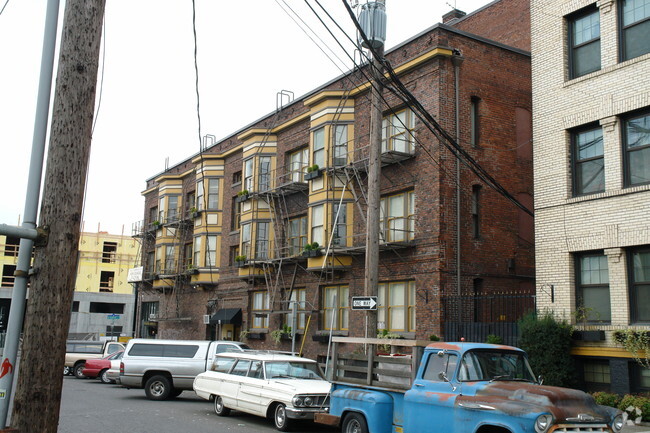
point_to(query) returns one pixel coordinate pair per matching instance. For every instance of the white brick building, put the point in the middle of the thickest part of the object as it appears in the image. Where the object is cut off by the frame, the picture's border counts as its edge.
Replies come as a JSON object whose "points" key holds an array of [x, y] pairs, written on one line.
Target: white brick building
{"points": [[591, 105]]}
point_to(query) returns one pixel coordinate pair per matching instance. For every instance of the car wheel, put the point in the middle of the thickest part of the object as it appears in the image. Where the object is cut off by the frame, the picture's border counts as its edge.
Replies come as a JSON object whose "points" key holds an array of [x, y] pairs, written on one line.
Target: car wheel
{"points": [[66, 371], [103, 376], [354, 423], [158, 388], [219, 407], [280, 418], [78, 370], [175, 392]]}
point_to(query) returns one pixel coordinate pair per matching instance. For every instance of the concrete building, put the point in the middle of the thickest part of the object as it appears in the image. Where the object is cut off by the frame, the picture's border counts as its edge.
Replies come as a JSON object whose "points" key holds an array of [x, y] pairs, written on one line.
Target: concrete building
{"points": [[274, 215], [591, 103], [103, 300]]}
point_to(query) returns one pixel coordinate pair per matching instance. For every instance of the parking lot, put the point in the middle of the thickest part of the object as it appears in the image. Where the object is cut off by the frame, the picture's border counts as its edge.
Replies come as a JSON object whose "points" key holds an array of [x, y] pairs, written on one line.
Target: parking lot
{"points": [[92, 407]]}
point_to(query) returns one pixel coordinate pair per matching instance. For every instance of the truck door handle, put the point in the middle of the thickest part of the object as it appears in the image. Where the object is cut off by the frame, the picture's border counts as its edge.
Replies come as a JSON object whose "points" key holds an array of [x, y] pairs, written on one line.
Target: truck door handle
{"points": [[418, 384]]}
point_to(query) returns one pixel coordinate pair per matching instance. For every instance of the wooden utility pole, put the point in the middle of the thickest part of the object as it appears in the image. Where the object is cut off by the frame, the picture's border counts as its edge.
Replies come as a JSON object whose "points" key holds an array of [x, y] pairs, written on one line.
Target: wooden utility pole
{"points": [[38, 394]]}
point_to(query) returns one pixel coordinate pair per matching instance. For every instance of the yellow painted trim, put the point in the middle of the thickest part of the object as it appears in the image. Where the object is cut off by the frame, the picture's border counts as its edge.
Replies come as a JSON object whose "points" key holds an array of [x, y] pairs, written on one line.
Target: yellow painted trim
{"points": [[253, 132], [291, 122], [173, 176], [326, 94], [150, 190], [609, 352]]}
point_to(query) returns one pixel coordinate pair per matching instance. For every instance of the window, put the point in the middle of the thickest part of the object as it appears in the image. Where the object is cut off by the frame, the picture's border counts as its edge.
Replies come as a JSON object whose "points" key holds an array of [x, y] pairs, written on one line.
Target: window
{"points": [[319, 147], [200, 195], [172, 208], [159, 263], [262, 241], [639, 283], [597, 375], [297, 296], [396, 306], [149, 264], [297, 236], [298, 162], [588, 161], [196, 260], [241, 368], [336, 307], [642, 376], [397, 218], [190, 201], [211, 251], [106, 308], [235, 219], [340, 145], [264, 176], [11, 246], [476, 220], [248, 175], [260, 309], [222, 365], [187, 256], [213, 193], [165, 350], [8, 275], [474, 121], [106, 281], [236, 178], [75, 306], [234, 252], [113, 331], [153, 214], [246, 240], [584, 42], [636, 140], [592, 277], [339, 218], [397, 132], [635, 28], [170, 262], [317, 222], [437, 364]]}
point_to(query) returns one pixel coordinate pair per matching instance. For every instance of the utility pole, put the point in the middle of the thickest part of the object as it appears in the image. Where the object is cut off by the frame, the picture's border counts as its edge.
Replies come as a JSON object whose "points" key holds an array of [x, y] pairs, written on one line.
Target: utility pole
{"points": [[373, 24], [38, 394]]}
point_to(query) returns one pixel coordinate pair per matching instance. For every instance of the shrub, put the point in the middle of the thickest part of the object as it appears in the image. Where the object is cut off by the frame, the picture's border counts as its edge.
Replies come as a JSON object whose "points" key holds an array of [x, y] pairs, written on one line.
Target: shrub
{"points": [[434, 337], [494, 339], [631, 402], [548, 343], [607, 399]]}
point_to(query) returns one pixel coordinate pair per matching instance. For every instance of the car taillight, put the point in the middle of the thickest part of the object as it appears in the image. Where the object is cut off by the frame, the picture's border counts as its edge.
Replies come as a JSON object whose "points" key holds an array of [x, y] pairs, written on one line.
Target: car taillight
{"points": [[121, 368]]}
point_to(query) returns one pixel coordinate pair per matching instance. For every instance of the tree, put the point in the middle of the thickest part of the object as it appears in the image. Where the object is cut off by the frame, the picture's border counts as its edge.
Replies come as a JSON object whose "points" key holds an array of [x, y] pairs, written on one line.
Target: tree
{"points": [[38, 394]]}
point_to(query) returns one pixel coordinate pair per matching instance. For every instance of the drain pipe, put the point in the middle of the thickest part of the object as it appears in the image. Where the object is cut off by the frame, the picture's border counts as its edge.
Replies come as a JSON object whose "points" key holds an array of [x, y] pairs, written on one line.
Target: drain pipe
{"points": [[457, 60]]}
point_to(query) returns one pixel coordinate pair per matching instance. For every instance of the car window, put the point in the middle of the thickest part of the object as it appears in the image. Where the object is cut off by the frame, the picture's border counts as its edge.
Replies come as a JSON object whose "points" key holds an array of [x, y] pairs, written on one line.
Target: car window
{"points": [[115, 356], [257, 370], [241, 368], [222, 365], [438, 364], [292, 370], [112, 348], [169, 350]]}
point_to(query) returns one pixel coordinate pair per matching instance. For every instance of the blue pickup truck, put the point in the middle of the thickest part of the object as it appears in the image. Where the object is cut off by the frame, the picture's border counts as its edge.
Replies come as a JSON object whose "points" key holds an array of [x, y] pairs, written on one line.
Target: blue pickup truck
{"points": [[452, 388]]}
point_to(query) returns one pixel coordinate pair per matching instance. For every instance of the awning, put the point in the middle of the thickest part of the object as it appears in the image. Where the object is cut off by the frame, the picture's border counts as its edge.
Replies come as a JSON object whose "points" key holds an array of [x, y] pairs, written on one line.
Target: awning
{"points": [[228, 316]]}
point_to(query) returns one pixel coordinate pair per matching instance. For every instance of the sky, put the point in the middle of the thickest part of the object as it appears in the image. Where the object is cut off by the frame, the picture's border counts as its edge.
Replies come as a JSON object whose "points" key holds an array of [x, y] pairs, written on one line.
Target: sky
{"points": [[146, 109]]}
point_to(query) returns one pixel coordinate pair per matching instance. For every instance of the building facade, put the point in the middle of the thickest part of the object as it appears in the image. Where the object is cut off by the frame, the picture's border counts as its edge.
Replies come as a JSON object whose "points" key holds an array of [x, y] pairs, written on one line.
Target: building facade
{"points": [[103, 305], [265, 230], [591, 102]]}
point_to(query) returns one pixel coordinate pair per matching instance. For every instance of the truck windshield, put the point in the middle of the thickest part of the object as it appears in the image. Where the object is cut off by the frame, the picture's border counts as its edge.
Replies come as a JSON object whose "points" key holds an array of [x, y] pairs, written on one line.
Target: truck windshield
{"points": [[293, 370], [489, 365]]}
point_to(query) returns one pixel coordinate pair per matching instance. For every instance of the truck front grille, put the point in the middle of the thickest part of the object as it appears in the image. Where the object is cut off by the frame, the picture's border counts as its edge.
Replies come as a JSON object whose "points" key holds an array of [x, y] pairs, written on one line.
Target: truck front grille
{"points": [[581, 428]]}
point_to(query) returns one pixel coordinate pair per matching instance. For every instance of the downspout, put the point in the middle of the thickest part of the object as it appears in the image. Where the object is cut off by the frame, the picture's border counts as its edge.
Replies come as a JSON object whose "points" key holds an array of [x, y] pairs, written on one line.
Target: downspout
{"points": [[457, 60]]}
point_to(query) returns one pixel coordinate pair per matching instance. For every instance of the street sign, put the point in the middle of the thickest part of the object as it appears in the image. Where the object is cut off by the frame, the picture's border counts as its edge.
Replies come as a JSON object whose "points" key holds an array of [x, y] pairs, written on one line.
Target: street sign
{"points": [[113, 316], [364, 302]]}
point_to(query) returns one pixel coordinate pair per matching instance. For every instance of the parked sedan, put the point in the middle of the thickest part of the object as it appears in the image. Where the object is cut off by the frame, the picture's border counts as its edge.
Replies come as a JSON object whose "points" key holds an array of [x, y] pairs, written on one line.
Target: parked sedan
{"points": [[279, 387], [98, 368]]}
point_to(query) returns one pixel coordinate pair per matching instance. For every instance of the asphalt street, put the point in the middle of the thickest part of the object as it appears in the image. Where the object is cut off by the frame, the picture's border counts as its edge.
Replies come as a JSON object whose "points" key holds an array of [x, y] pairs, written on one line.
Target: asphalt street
{"points": [[88, 406]]}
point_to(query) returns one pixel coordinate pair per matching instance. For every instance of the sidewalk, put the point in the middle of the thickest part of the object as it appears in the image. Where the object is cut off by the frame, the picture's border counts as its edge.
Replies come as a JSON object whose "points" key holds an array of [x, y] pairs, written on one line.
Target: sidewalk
{"points": [[636, 429]]}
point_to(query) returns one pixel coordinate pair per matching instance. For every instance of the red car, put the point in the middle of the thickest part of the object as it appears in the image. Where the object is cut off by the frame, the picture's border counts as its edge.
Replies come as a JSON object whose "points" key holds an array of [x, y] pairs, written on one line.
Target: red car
{"points": [[97, 368]]}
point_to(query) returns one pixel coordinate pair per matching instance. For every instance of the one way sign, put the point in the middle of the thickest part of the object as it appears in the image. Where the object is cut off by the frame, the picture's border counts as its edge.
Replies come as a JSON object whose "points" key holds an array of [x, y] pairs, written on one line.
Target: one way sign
{"points": [[364, 302]]}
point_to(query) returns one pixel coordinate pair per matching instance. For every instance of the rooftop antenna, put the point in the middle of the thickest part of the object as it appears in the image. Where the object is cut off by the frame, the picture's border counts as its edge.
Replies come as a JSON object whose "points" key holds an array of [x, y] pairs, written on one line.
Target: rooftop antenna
{"points": [[450, 5]]}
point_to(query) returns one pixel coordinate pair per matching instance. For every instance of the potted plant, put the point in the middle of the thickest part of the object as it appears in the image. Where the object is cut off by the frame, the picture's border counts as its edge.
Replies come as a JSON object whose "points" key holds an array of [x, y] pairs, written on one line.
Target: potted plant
{"points": [[240, 260], [155, 225], [314, 250], [194, 212], [313, 172], [242, 196], [307, 251], [191, 269]]}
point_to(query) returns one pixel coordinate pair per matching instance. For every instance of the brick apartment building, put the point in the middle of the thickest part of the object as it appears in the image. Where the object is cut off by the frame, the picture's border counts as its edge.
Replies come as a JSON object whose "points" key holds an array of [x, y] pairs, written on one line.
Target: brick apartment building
{"points": [[228, 234], [591, 99]]}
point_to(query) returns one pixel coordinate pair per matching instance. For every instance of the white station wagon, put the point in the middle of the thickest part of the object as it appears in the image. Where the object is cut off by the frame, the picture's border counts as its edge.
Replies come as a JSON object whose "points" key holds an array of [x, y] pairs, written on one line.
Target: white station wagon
{"points": [[281, 387]]}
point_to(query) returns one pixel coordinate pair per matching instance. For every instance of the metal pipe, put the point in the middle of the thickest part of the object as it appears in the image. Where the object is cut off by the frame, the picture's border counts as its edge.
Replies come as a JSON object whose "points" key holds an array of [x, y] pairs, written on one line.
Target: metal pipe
{"points": [[17, 310], [19, 232], [456, 60]]}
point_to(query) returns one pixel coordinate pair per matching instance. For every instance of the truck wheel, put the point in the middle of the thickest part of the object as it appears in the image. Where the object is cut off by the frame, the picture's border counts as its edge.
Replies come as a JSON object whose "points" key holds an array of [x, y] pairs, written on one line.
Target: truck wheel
{"points": [[354, 423], [219, 407], [175, 393], [158, 388], [66, 371], [280, 418], [78, 370]]}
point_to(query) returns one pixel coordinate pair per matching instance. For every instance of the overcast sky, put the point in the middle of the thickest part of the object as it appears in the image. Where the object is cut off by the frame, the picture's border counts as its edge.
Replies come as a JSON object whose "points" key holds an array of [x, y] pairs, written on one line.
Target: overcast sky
{"points": [[248, 51]]}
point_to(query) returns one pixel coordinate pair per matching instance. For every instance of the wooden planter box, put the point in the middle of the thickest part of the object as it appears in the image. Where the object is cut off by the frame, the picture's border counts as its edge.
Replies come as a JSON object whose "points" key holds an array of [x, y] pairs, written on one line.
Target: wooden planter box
{"points": [[589, 335], [240, 264], [312, 253], [241, 198], [256, 336]]}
